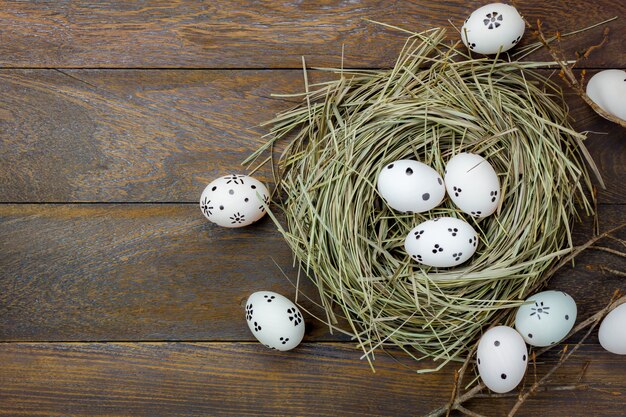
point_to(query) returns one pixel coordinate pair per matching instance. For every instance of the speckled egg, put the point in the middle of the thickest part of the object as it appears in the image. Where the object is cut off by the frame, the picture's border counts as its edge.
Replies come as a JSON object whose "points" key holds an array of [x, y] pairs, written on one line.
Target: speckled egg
{"points": [[441, 242], [546, 318], [410, 186], [502, 358], [472, 184], [234, 200], [493, 28], [274, 320]]}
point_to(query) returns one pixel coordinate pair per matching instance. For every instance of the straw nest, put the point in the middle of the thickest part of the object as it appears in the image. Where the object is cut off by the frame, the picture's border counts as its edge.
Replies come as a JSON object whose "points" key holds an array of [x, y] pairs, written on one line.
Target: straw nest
{"points": [[437, 101]]}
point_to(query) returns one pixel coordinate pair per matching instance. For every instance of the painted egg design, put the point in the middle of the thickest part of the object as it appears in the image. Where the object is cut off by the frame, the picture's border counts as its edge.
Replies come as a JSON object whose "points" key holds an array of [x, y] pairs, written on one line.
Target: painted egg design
{"points": [[502, 358], [234, 200], [274, 320], [546, 318], [472, 184], [410, 186], [441, 242], [493, 28]]}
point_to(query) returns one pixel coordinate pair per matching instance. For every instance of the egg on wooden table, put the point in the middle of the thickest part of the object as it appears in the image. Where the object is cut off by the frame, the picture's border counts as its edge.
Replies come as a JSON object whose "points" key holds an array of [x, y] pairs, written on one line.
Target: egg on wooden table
{"points": [[441, 242], [234, 200], [502, 358], [612, 333], [410, 186], [493, 28], [608, 90], [546, 318], [472, 184], [274, 320]]}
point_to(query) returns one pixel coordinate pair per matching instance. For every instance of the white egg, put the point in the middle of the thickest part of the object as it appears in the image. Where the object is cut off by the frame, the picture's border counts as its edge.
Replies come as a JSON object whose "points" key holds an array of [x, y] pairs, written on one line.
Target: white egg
{"points": [[502, 358], [274, 320], [472, 184], [608, 90], [612, 333], [410, 186], [441, 242], [546, 318], [234, 200], [492, 28]]}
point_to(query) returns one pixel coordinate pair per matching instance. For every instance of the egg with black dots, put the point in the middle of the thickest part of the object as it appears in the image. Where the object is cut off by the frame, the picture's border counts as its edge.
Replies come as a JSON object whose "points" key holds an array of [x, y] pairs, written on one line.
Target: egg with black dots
{"points": [[493, 28], [472, 184], [274, 320], [410, 186], [234, 200], [502, 358], [441, 242], [546, 318]]}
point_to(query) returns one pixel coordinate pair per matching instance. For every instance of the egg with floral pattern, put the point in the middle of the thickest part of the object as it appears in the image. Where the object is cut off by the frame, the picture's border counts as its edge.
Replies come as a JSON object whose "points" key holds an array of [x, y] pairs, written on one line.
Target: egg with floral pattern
{"points": [[546, 318], [274, 320], [234, 200], [493, 28]]}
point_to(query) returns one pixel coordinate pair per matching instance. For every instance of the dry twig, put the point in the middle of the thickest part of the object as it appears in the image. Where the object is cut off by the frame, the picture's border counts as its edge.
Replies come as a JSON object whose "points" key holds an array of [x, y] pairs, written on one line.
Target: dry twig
{"points": [[568, 75]]}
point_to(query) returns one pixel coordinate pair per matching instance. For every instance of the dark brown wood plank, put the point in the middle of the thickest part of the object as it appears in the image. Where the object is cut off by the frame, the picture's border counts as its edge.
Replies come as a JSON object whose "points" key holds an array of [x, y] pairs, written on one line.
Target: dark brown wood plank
{"points": [[240, 34], [162, 272], [127, 135], [183, 379], [133, 272], [153, 136]]}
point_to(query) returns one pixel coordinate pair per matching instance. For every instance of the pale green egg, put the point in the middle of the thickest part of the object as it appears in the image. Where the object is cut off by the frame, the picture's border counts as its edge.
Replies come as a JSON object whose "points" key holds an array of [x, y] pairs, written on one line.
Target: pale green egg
{"points": [[546, 318]]}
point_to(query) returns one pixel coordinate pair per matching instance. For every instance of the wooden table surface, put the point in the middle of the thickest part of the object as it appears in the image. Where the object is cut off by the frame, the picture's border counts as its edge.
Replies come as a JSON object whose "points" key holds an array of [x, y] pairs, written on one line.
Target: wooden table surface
{"points": [[118, 298]]}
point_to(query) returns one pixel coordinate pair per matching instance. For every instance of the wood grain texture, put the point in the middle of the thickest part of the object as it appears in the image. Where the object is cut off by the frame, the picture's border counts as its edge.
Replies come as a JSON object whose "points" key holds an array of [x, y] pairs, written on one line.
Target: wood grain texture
{"points": [[120, 272], [155, 136], [162, 272], [227, 379], [160, 280], [260, 34]]}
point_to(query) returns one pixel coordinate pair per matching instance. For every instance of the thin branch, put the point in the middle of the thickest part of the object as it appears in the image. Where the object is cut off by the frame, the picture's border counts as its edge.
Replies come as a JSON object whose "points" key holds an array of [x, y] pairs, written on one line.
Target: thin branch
{"points": [[568, 75], [609, 250], [583, 371], [605, 39], [455, 389], [582, 247], [622, 241], [468, 412], [457, 403], [574, 387], [613, 271]]}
